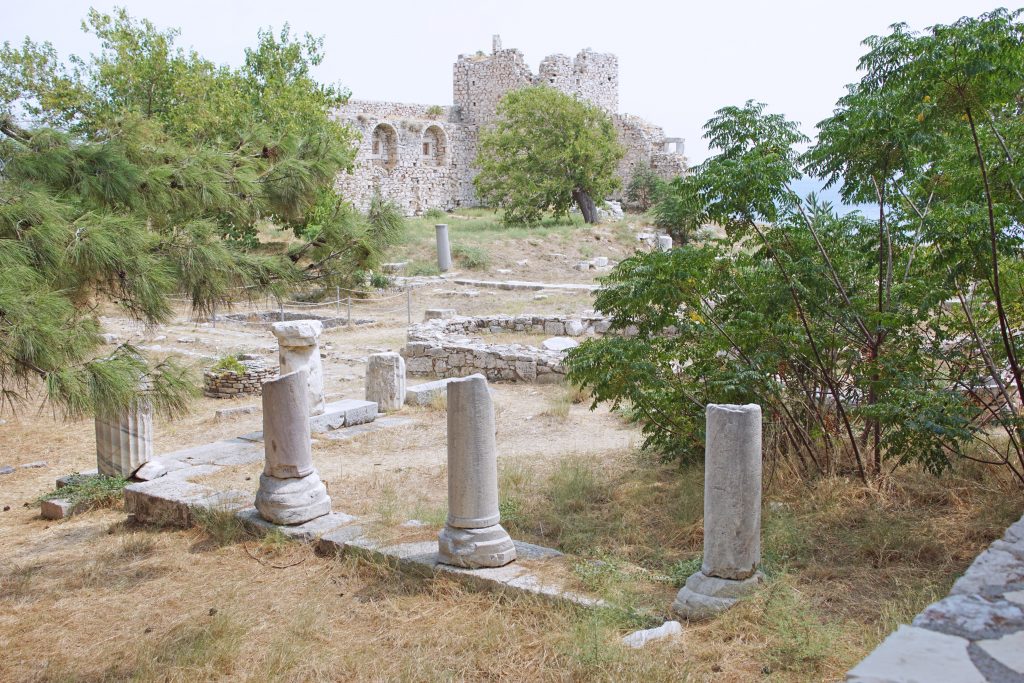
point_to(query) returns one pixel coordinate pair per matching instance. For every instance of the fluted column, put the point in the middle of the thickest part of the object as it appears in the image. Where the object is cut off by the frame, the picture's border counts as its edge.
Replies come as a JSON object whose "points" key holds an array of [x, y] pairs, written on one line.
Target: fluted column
{"points": [[124, 442], [472, 536]]}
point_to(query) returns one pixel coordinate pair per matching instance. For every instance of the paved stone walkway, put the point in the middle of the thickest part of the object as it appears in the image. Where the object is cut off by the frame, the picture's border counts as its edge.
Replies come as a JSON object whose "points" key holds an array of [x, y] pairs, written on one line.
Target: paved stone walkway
{"points": [[174, 497], [974, 635]]}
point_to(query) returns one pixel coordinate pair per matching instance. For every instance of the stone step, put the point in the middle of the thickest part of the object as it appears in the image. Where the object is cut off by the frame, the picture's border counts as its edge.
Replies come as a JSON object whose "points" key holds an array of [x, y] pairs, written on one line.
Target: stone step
{"points": [[345, 413]]}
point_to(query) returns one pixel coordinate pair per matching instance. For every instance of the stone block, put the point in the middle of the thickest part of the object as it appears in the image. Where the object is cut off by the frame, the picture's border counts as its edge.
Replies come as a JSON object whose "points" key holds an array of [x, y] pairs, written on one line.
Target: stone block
{"points": [[915, 654], [427, 393], [385, 381], [438, 314], [307, 532], [559, 344], [573, 328], [60, 508]]}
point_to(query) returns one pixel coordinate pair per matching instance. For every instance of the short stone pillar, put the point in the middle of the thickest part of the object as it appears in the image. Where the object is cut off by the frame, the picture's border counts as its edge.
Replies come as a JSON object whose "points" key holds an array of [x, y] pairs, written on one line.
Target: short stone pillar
{"points": [[299, 348], [472, 536], [124, 442], [732, 513], [385, 381], [290, 489], [664, 242], [444, 250]]}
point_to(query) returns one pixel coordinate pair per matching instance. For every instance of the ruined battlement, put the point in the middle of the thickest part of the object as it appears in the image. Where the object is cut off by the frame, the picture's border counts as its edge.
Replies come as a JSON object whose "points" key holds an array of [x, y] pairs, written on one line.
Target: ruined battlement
{"points": [[480, 81], [422, 156]]}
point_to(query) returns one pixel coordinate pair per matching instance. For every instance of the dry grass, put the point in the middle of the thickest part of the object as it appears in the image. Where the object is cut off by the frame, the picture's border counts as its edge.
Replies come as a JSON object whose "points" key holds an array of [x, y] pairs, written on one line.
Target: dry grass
{"points": [[93, 598]]}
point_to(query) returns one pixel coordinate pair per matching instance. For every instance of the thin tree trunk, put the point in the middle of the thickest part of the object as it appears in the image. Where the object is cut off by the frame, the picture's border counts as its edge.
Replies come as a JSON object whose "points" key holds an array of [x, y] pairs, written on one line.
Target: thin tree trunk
{"points": [[586, 204]]}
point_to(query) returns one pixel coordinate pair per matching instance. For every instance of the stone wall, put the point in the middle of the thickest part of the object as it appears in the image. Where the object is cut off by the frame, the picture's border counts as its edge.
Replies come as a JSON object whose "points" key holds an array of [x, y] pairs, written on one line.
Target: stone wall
{"points": [[442, 347], [976, 633], [422, 156], [227, 384]]}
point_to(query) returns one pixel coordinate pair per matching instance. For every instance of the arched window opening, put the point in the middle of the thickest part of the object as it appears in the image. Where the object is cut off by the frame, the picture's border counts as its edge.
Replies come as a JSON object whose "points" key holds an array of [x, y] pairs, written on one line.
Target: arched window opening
{"points": [[384, 146], [435, 146]]}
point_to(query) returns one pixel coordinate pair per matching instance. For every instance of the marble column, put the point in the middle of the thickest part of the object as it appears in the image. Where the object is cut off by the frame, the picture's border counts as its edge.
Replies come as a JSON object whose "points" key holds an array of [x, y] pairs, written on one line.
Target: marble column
{"points": [[385, 381], [124, 442], [444, 252], [732, 513], [299, 347], [664, 242], [472, 536], [290, 489]]}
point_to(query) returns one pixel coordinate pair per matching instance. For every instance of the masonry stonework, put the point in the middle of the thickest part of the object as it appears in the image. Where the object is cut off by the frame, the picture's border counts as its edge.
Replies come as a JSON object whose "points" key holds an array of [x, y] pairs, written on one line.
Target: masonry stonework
{"points": [[422, 156]]}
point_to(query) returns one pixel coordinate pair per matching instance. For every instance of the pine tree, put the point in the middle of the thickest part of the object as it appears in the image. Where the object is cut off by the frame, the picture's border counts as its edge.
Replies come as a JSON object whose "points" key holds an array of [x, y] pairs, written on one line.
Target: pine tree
{"points": [[145, 172]]}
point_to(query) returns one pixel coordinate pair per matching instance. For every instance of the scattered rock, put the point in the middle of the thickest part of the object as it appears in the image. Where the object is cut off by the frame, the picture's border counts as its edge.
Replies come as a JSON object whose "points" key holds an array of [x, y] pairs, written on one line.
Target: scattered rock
{"points": [[186, 340], [439, 314], [33, 465], [413, 524], [600, 261], [154, 469], [7, 508], [109, 338], [539, 297], [582, 266], [523, 262], [503, 271], [559, 344], [6, 469], [638, 639]]}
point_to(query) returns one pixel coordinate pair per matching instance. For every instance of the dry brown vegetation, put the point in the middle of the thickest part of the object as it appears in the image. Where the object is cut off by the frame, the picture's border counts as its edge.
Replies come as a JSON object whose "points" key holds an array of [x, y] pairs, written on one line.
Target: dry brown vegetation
{"points": [[93, 598]]}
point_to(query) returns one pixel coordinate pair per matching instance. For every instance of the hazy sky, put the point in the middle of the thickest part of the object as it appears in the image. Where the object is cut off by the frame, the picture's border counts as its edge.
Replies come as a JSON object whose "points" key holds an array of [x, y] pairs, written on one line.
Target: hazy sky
{"points": [[678, 62]]}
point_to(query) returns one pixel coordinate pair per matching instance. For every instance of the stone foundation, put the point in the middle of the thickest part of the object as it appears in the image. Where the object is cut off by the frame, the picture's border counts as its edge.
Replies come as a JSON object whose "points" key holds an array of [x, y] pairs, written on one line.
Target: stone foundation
{"points": [[442, 347], [264, 319], [227, 384]]}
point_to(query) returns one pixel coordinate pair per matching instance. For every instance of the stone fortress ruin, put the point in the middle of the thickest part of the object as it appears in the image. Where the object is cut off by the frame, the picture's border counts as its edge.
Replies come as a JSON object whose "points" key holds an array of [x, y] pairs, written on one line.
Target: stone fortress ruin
{"points": [[422, 156]]}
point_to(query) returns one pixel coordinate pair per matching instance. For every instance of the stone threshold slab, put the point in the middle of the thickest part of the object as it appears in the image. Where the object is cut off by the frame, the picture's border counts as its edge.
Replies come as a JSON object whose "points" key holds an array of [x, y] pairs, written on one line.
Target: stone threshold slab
{"points": [[527, 285], [173, 500]]}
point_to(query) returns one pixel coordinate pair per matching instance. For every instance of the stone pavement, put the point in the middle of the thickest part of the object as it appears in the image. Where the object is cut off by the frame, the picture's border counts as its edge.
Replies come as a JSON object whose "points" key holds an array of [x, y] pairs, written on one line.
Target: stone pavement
{"points": [[974, 635], [173, 498]]}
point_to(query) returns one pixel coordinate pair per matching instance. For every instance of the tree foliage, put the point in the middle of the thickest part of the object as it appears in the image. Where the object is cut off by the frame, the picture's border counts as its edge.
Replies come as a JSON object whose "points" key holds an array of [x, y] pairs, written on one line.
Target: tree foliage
{"points": [[888, 338], [547, 151], [643, 187], [145, 171]]}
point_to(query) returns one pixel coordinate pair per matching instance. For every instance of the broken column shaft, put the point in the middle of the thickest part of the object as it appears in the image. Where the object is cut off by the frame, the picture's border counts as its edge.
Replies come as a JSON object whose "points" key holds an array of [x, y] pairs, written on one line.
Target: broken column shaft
{"points": [[732, 513], [472, 536], [290, 489]]}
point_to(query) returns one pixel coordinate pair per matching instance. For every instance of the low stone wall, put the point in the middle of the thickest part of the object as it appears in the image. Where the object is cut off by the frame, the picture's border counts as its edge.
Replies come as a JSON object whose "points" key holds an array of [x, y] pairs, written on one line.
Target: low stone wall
{"points": [[228, 384], [264, 319], [976, 633], [443, 347]]}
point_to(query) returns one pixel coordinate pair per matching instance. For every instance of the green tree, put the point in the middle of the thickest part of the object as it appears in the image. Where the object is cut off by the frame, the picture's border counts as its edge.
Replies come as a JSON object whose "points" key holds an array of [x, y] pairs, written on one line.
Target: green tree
{"points": [[892, 338], [679, 208], [143, 172], [546, 151], [643, 187]]}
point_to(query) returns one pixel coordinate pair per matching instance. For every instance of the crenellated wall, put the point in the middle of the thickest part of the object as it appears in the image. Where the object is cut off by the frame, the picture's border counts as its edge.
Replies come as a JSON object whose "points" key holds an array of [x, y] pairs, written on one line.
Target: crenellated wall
{"points": [[422, 156]]}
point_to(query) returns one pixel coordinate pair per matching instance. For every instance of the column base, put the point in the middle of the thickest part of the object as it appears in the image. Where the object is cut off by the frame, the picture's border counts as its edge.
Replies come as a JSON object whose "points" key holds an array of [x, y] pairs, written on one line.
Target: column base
{"points": [[705, 596], [475, 548], [292, 501]]}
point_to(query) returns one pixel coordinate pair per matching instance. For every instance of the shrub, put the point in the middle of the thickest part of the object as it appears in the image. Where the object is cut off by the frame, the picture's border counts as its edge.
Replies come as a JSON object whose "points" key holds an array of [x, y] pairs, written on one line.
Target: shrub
{"points": [[435, 213], [93, 492], [228, 364], [434, 111], [380, 281], [643, 188]]}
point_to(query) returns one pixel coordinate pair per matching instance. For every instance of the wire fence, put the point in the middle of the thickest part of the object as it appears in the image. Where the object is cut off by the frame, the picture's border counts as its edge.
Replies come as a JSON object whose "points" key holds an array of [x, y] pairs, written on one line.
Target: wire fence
{"points": [[345, 301]]}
